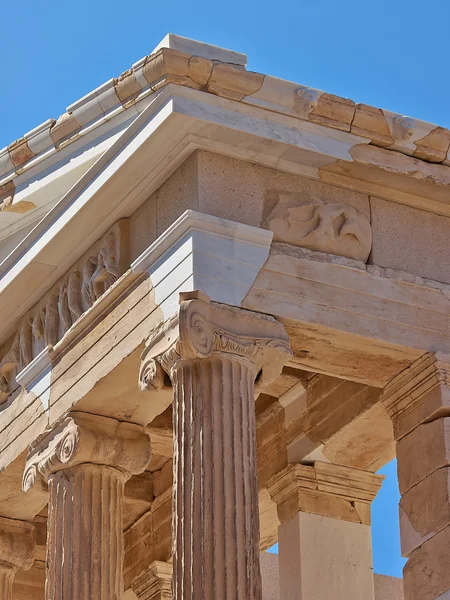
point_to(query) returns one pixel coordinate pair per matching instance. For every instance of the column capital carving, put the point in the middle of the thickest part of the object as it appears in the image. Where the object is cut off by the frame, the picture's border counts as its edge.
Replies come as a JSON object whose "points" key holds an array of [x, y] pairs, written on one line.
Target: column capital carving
{"points": [[17, 544], [326, 489], [83, 438], [203, 328], [155, 583], [420, 393]]}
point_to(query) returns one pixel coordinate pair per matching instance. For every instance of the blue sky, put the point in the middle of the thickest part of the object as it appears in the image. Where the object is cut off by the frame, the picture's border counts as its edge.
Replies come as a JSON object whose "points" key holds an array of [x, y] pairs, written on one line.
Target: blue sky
{"points": [[390, 53]]}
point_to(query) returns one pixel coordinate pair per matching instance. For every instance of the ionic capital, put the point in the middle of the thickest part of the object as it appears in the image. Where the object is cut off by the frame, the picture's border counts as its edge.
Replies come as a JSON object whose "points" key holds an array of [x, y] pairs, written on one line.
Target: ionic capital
{"points": [[17, 545], [82, 438], [420, 393], [203, 329], [326, 489]]}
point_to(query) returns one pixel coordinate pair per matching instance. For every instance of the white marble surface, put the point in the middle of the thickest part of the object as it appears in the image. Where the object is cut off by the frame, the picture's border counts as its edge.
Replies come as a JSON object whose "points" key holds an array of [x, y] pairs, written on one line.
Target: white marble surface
{"points": [[178, 42], [36, 377], [220, 257]]}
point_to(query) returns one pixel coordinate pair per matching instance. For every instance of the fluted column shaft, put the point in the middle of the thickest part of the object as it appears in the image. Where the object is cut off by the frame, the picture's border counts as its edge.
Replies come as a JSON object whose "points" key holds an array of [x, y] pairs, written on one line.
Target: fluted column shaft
{"points": [[85, 539], [7, 573], [213, 354], [215, 516]]}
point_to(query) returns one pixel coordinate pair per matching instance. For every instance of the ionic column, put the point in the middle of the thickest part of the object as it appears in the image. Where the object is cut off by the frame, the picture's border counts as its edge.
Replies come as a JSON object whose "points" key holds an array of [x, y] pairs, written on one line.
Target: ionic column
{"points": [[418, 401], [17, 548], [213, 357], [324, 540], [86, 460], [155, 583]]}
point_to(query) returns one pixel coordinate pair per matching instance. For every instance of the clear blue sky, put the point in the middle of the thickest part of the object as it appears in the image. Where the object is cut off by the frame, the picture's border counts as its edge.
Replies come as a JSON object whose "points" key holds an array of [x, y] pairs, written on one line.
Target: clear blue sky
{"points": [[389, 53]]}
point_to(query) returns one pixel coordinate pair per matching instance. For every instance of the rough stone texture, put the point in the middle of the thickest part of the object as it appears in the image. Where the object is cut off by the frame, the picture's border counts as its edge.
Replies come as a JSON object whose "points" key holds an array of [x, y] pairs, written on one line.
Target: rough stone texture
{"points": [[233, 81], [403, 237], [422, 452], [426, 575], [388, 588], [371, 122], [270, 576], [434, 146], [333, 111], [20, 152], [177, 194], [65, 126], [426, 509], [143, 224], [228, 187]]}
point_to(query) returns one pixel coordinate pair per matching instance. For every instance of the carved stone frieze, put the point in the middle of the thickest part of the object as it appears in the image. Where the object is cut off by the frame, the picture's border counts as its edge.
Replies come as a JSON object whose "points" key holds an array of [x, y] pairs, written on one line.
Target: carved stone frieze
{"points": [[329, 227], [47, 322], [203, 328], [82, 438]]}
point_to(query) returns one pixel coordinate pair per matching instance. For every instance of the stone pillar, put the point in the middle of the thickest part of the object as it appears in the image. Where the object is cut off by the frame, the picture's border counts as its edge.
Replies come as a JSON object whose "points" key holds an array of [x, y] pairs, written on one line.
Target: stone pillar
{"points": [[213, 354], [86, 460], [155, 583], [17, 547], [324, 539], [418, 402]]}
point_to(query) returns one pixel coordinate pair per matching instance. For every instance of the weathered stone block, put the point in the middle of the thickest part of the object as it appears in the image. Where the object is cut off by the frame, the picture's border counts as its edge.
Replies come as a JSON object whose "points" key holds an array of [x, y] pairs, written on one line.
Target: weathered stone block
{"points": [[426, 575], [425, 510], [403, 236], [423, 451]]}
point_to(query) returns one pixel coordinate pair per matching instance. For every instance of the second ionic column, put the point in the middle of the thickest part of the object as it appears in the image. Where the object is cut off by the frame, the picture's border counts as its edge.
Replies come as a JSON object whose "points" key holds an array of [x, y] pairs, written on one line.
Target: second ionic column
{"points": [[214, 359], [86, 460]]}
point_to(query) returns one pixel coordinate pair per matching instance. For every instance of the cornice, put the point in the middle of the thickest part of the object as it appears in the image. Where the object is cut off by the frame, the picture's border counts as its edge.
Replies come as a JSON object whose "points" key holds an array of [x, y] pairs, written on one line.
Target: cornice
{"points": [[219, 72]]}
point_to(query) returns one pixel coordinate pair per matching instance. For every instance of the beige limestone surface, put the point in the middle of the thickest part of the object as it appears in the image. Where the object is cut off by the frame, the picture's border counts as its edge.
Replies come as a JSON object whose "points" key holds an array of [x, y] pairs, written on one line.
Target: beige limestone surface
{"points": [[386, 588], [411, 240], [320, 556]]}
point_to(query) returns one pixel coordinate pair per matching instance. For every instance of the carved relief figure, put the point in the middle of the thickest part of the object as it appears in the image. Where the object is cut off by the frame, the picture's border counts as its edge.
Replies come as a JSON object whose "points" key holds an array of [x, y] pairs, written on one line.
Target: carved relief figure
{"points": [[329, 227], [47, 322]]}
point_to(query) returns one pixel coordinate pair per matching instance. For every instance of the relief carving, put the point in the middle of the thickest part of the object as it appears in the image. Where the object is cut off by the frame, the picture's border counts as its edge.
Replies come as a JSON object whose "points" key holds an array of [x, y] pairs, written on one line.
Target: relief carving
{"points": [[47, 322], [323, 226]]}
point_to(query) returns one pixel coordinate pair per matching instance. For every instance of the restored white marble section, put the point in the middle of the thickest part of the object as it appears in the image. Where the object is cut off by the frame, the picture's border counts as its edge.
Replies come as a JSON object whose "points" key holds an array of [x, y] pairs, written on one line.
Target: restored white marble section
{"points": [[201, 252], [178, 42], [36, 377]]}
